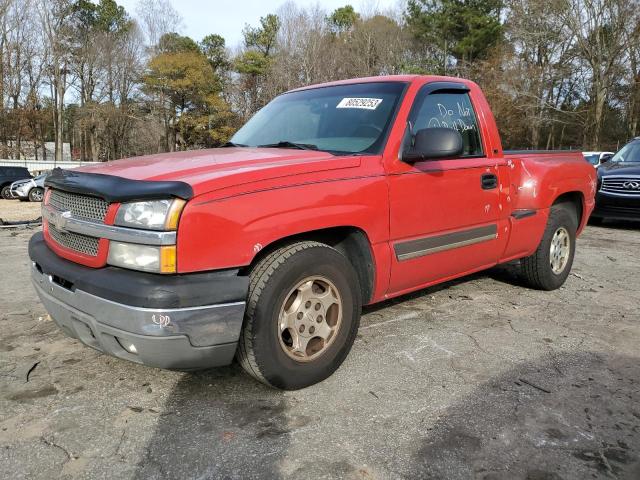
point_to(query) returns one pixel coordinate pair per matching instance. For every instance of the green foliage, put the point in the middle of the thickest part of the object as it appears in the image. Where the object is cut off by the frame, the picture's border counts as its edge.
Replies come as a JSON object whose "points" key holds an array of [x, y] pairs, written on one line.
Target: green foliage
{"points": [[106, 16], [251, 62], [343, 19], [213, 47], [111, 16], [255, 62], [465, 29], [175, 43], [181, 76], [183, 80], [263, 38]]}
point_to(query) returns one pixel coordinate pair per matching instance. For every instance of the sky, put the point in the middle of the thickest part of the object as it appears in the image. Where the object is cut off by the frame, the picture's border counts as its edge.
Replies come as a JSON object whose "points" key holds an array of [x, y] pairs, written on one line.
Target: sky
{"points": [[228, 17]]}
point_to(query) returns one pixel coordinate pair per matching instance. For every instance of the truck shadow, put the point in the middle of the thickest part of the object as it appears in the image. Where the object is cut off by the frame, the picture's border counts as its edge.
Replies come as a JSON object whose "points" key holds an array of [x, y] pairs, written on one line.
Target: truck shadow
{"points": [[218, 424], [506, 273], [573, 417]]}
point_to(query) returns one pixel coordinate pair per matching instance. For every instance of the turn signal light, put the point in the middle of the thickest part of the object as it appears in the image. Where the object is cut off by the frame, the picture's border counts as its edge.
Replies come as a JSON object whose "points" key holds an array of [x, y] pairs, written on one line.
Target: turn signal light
{"points": [[168, 259], [173, 216]]}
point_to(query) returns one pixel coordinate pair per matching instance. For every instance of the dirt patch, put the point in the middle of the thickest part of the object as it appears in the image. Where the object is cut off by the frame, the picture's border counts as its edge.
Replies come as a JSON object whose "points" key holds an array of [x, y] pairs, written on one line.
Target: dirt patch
{"points": [[478, 378], [15, 210]]}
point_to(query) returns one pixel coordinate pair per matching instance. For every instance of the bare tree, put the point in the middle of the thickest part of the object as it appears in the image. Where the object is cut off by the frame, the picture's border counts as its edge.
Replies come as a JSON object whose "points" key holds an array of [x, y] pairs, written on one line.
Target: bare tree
{"points": [[157, 17], [5, 26], [539, 61], [599, 27], [56, 21], [632, 40]]}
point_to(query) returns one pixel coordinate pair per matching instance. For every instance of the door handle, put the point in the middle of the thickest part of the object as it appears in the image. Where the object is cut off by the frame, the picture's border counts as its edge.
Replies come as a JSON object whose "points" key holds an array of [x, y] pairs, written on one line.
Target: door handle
{"points": [[489, 181]]}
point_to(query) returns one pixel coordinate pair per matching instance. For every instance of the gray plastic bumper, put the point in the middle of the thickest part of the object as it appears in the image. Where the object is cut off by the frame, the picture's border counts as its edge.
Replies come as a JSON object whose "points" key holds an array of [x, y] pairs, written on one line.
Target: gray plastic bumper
{"points": [[180, 338]]}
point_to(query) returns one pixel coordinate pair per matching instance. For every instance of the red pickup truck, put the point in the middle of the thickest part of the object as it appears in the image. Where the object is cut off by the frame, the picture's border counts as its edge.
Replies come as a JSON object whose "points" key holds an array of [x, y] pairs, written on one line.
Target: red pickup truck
{"points": [[331, 197]]}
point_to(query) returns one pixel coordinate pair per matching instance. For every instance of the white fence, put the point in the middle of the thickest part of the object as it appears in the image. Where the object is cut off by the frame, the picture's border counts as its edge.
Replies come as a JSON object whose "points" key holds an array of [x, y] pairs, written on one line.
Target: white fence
{"points": [[35, 166]]}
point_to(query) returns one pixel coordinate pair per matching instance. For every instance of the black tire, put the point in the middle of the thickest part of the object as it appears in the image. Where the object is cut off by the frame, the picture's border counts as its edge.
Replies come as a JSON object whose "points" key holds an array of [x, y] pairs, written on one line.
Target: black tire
{"points": [[36, 194], [596, 221], [6, 192], [536, 269], [259, 350]]}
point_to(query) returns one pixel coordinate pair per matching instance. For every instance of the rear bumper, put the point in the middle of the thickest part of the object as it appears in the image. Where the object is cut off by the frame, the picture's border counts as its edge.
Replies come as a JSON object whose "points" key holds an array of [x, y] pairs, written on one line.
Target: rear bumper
{"points": [[188, 336]]}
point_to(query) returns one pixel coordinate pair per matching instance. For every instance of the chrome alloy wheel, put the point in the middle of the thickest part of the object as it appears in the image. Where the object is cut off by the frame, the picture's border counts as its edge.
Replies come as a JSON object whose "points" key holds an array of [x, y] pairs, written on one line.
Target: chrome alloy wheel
{"points": [[559, 250], [310, 318], [37, 195]]}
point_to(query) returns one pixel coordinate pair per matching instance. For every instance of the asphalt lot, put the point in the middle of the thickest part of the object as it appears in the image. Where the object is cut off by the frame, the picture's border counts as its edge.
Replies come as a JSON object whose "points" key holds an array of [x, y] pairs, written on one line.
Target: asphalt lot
{"points": [[479, 378]]}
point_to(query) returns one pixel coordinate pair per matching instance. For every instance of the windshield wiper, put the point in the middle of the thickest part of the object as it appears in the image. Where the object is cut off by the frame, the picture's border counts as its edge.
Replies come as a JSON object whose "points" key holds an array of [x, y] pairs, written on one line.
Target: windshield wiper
{"points": [[231, 144], [288, 144]]}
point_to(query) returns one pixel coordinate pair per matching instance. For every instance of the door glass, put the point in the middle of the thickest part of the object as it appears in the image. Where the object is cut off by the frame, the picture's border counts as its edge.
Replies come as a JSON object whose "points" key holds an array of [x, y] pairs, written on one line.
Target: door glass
{"points": [[450, 110]]}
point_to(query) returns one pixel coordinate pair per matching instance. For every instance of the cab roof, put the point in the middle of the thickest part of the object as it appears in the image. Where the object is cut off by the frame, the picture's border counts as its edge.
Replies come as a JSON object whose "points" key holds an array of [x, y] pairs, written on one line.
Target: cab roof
{"points": [[385, 78]]}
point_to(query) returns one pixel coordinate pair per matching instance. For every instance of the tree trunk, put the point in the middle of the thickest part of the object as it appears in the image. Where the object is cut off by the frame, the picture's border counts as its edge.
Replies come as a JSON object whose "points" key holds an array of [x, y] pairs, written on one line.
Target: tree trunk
{"points": [[3, 136], [59, 127], [600, 101]]}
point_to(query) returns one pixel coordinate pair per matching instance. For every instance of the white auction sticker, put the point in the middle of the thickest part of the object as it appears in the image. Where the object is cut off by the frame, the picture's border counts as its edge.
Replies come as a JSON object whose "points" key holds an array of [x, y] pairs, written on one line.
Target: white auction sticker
{"points": [[366, 103]]}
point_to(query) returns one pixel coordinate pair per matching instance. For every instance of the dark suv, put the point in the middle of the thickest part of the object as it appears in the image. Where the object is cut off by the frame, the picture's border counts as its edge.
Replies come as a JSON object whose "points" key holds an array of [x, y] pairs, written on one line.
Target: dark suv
{"points": [[618, 194], [8, 175]]}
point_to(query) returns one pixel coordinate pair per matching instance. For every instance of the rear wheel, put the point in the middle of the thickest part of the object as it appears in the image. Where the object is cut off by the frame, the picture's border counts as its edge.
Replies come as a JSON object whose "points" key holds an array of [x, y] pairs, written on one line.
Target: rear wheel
{"points": [[303, 312], [36, 194], [549, 267], [6, 192]]}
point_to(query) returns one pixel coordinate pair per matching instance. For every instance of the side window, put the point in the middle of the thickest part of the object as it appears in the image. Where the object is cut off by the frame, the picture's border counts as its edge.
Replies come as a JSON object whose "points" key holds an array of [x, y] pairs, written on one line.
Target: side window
{"points": [[449, 110]]}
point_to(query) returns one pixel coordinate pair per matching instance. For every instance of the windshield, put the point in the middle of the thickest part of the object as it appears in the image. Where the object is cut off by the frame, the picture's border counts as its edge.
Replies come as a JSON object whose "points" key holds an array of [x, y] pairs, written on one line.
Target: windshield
{"points": [[342, 119], [629, 153], [593, 159]]}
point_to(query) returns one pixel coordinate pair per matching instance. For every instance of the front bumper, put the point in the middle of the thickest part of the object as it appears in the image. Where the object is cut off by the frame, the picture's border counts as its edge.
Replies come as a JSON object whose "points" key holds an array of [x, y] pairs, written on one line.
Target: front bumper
{"points": [[184, 335], [617, 207], [21, 189], [18, 193]]}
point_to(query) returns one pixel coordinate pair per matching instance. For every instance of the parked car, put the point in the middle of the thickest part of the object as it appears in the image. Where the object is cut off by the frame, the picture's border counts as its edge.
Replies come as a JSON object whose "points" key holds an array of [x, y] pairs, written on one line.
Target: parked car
{"points": [[596, 158], [618, 194], [31, 189], [8, 175], [330, 197]]}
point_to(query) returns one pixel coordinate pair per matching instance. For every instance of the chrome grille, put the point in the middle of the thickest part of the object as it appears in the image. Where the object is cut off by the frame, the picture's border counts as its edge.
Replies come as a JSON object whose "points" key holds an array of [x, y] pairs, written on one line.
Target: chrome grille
{"points": [[80, 206], [75, 241], [621, 185]]}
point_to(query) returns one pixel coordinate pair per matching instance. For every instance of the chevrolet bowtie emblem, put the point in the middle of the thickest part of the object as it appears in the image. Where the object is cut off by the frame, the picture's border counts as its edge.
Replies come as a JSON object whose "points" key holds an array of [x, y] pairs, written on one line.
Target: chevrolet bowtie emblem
{"points": [[59, 220]]}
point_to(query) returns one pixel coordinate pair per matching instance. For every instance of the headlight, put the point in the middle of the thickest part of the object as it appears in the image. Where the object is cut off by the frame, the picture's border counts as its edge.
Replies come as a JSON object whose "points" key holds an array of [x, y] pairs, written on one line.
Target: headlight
{"points": [[150, 215], [143, 257]]}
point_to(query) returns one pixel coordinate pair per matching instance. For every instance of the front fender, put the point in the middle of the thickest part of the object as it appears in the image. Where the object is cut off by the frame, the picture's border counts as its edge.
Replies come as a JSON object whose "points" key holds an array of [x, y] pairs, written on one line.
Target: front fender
{"points": [[228, 233]]}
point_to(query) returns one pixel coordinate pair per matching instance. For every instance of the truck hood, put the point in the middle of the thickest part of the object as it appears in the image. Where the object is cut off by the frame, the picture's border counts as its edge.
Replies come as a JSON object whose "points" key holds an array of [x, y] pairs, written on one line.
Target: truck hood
{"points": [[215, 169]]}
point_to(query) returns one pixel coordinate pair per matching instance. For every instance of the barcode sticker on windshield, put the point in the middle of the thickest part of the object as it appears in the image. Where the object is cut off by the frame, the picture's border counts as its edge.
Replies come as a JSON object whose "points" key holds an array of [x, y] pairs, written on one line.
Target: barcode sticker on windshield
{"points": [[366, 103]]}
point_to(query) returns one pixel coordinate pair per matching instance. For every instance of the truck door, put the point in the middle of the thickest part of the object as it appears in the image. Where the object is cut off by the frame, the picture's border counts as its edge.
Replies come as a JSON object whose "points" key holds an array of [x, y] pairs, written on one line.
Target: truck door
{"points": [[445, 214]]}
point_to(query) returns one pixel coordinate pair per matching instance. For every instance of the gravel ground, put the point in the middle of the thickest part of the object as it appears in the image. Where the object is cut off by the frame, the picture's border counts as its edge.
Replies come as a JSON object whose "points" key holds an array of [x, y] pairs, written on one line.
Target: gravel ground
{"points": [[478, 378], [14, 210]]}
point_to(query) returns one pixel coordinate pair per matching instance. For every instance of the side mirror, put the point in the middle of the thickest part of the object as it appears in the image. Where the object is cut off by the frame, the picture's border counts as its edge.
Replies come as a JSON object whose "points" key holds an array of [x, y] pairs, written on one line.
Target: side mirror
{"points": [[434, 143], [605, 158]]}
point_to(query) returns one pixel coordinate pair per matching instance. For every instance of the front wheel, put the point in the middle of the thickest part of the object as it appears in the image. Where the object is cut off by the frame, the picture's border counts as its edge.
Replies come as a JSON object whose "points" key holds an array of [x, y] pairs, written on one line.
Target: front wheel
{"points": [[36, 194], [549, 267], [303, 312], [6, 192]]}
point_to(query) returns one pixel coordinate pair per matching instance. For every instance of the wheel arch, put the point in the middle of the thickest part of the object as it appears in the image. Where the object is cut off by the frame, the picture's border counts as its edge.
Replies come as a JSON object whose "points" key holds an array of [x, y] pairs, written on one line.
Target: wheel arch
{"points": [[352, 242], [574, 199]]}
